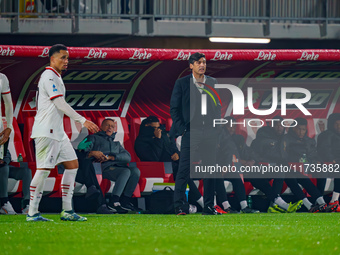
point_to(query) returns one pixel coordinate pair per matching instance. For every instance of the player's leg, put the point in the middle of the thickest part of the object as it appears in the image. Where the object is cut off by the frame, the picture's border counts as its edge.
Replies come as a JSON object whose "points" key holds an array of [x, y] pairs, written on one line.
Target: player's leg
{"points": [[46, 151], [67, 156]]}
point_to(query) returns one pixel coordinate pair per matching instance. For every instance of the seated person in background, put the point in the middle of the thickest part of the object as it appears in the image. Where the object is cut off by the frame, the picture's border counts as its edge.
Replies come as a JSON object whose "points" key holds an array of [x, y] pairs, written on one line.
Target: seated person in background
{"points": [[249, 158], [154, 144], [297, 146], [114, 159], [328, 147], [17, 173], [86, 175], [226, 152]]}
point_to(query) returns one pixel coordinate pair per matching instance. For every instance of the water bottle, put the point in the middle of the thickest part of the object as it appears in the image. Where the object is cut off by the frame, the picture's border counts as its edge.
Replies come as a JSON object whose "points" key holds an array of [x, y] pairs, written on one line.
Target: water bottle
{"points": [[250, 202], [20, 158], [303, 159]]}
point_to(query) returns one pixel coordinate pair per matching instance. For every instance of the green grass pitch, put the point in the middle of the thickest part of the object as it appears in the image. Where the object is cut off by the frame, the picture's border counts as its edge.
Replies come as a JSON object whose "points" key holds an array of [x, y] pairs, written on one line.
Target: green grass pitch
{"points": [[299, 233]]}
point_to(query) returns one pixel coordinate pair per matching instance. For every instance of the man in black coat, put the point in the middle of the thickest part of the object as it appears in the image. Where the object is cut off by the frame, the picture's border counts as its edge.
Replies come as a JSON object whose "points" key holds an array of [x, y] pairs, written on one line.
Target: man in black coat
{"points": [[328, 147], [199, 137]]}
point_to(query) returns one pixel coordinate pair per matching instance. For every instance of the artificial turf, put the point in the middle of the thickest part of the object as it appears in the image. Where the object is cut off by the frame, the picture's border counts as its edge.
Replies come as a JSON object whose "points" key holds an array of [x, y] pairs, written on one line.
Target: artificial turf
{"points": [[299, 233]]}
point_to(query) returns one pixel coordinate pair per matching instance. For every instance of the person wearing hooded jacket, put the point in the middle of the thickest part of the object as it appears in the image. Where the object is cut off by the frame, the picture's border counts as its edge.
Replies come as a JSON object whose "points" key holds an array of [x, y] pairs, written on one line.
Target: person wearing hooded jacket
{"points": [[328, 147], [153, 143], [295, 145], [114, 159]]}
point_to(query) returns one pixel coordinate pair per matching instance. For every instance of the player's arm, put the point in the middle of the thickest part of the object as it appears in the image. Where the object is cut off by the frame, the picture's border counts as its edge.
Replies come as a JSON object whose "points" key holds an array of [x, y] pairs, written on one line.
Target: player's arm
{"points": [[61, 104], [9, 117]]}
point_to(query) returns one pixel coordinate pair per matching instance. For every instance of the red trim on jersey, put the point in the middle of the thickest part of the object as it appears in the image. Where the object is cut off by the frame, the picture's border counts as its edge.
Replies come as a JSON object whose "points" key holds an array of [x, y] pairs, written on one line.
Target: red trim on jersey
{"points": [[56, 97], [52, 69], [6, 93]]}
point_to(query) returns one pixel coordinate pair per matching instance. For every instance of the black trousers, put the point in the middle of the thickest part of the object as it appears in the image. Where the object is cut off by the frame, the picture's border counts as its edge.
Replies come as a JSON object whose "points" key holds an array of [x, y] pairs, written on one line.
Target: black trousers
{"points": [[201, 142], [271, 192], [238, 187], [293, 184], [86, 174]]}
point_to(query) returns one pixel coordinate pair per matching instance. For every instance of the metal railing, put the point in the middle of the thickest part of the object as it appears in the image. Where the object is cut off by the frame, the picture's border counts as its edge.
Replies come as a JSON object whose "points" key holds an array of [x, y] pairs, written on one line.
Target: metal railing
{"points": [[266, 12]]}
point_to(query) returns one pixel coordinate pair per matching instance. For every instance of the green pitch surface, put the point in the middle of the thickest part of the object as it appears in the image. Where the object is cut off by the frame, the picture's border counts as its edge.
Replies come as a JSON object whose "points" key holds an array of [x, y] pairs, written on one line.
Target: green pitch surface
{"points": [[299, 233]]}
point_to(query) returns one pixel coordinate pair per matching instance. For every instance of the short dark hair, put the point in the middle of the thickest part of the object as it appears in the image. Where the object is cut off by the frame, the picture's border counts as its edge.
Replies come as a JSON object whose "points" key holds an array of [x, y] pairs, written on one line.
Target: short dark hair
{"points": [[107, 119], [195, 57], [151, 119], [301, 121], [56, 48]]}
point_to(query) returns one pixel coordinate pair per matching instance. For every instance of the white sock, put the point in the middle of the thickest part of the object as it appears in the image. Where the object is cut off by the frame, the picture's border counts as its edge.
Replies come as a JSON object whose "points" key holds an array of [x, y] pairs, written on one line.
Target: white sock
{"points": [[225, 205], [280, 202], [200, 202], [306, 203], [320, 200], [67, 187], [335, 197], [243, 204], [36, 190]]}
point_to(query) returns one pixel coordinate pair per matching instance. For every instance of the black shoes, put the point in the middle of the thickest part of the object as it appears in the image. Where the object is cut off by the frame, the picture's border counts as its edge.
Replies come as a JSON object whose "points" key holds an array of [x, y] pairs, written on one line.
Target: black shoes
{"points": [[116, 208], [182, 210], [210, 210], [92, 193], [104, 210]]}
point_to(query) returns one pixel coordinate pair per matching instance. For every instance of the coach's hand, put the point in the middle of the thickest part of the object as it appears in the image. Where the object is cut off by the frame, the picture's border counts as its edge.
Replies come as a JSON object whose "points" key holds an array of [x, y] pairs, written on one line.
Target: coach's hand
{"points": [[5, 135], [93, 128], [99, 156]]}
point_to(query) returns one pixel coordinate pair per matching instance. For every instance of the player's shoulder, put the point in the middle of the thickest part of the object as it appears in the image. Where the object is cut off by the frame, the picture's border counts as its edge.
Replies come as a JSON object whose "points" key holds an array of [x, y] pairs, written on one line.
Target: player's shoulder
{"points": [[184, 79], [3, 77]]}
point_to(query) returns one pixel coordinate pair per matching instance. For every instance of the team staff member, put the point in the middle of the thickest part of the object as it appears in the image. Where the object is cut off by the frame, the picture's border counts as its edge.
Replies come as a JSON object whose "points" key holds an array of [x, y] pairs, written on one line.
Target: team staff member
{"points": [[51, 142], [198, 134]]}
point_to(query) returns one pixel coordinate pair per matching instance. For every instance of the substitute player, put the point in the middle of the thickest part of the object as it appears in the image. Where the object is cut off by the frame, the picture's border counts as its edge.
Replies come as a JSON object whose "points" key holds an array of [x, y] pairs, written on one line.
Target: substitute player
{"points": [[51, 142]]}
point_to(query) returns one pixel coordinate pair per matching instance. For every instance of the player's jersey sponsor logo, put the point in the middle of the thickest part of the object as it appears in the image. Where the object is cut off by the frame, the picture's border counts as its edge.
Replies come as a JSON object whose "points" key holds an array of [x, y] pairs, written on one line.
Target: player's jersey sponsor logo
{"points": [[54, 88]]}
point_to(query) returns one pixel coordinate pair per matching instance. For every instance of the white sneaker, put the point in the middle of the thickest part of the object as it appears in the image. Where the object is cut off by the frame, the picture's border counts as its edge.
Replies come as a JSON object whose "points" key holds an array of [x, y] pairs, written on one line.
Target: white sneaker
{"points": [[192, 209], [7, 208], [25, 210]]}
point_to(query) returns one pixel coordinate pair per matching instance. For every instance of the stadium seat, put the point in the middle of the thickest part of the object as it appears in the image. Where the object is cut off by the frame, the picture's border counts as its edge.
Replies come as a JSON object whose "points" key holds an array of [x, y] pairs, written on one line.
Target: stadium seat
{"points": [[75, 131]]}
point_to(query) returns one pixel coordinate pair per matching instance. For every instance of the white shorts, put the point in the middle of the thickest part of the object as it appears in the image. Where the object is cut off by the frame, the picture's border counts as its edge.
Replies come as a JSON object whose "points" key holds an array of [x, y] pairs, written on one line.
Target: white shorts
{"points": [[50, 152]]}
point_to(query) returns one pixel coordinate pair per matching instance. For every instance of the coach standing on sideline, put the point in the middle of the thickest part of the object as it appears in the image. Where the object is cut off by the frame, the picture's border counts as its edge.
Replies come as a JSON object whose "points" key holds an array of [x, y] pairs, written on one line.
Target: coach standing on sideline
{"points": [[185, 110], [52, 145]]}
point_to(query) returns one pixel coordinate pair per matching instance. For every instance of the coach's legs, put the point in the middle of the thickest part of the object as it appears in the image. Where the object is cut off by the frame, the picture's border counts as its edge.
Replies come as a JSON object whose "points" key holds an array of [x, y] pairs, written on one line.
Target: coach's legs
{"points": [[183, 174], [132, 182]]}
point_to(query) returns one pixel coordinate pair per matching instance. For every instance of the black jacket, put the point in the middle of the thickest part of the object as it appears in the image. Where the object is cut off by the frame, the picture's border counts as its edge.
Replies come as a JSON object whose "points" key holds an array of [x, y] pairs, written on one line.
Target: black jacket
{"points": [[329, 141], [294, 147], [226, 149], [267, 145], [102, 142], [150, 148], [183, 97]]}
